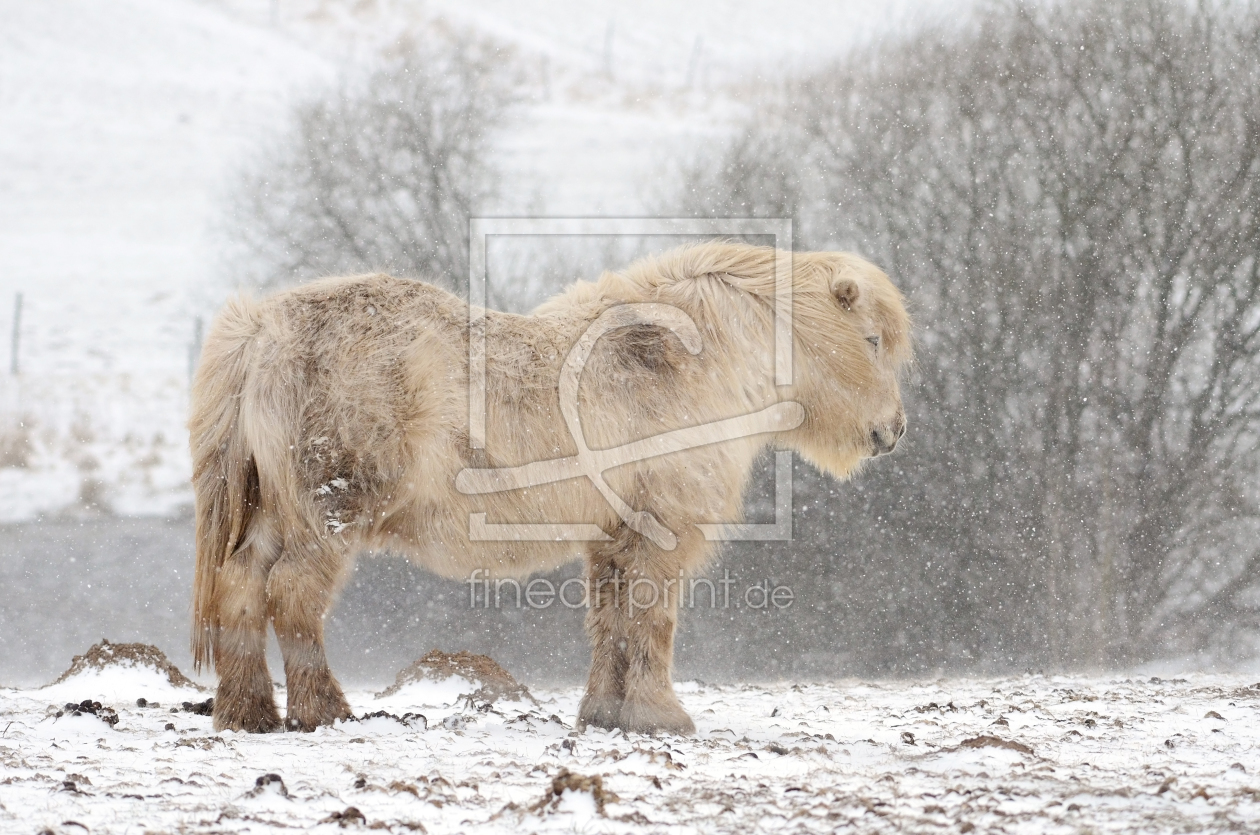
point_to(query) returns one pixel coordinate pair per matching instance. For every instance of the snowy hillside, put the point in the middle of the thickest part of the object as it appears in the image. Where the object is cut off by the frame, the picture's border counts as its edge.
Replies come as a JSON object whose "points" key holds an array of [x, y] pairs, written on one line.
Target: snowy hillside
{"points": [[122, 123], [126, 123], [1028, 754]]}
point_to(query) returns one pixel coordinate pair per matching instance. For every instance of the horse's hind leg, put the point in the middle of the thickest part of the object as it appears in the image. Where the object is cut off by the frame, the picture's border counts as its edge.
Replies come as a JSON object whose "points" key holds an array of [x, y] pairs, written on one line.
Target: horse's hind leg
{"points": [[299, 591], [244, 699]]}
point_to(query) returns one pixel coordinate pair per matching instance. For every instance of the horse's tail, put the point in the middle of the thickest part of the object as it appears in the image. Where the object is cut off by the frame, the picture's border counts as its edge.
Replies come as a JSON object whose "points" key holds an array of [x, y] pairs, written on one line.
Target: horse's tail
{"points": [[225, 473]]}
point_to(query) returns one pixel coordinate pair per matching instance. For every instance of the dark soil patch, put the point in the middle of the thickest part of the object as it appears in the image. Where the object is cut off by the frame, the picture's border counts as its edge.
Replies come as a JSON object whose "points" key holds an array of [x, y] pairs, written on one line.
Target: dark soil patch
{"points": [[408, 719], [106, 714], [350, 817], [105, 654], [268, 782], [493, 681], [205, 708], [985, 741]]}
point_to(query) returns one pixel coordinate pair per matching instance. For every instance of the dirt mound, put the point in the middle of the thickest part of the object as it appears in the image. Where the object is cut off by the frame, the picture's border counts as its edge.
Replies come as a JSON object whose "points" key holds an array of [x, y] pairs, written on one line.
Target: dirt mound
{"points": [[104, 655], [568, 781], [493, 681]]}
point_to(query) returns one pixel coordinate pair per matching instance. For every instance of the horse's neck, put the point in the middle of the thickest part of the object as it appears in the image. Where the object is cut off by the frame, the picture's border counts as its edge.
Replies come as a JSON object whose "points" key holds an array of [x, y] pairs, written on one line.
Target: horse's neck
{"points": [[740, 342]]}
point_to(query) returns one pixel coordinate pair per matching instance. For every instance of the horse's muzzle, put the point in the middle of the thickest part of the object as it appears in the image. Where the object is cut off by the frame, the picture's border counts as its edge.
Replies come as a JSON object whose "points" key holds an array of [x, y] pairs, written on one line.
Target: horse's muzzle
{"points": [[884, 438]]}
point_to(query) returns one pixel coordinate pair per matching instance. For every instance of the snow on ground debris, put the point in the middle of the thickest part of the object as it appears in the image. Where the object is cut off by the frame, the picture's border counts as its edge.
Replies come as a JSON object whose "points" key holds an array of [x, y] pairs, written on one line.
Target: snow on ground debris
{"points": [[476, 675], [1028, 754], [116, 671]]}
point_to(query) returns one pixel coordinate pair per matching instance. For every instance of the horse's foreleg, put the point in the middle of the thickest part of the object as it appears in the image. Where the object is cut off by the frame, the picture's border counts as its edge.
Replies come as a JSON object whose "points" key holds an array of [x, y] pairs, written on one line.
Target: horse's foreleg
{"points": [[631, 624], [299, 591], [650, 703], [244, 699], [605, 624]]}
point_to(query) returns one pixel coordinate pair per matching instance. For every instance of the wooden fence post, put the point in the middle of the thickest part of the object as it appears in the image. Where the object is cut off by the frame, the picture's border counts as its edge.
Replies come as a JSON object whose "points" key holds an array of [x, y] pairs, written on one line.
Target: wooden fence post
{"points": [[16, 344], [194, 350]]}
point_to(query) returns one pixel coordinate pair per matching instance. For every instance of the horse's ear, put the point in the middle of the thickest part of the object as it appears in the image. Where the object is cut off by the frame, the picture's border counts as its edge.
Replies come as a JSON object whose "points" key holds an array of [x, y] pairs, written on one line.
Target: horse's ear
{"points": [[844, 287]]}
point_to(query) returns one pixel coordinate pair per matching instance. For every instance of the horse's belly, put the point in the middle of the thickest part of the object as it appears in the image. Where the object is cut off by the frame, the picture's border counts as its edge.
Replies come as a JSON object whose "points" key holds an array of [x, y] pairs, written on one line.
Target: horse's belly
{"points": [[455, 548]]}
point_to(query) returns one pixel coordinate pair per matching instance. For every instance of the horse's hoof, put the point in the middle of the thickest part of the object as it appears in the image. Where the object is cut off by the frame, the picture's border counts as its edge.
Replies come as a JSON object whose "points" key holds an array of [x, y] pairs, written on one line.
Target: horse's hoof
{"points": [[648, 718], [308, 716], [262, 719], [599, 713]]}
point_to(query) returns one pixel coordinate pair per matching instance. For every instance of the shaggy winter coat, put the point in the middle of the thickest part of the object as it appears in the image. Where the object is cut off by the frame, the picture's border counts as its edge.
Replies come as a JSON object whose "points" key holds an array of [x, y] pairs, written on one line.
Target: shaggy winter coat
{"points": [[333, 418]]}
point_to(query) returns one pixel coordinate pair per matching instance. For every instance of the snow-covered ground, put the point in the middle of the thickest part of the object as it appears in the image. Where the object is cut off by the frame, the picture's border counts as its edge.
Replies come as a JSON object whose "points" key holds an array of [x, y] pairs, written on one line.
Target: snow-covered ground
{"points": [[1029, 754], [126, 124]]}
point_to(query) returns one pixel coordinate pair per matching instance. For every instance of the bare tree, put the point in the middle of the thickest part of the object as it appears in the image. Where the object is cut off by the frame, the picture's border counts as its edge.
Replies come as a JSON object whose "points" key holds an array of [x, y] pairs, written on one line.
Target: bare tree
{"points": [[1070, 195], [385, 173]]}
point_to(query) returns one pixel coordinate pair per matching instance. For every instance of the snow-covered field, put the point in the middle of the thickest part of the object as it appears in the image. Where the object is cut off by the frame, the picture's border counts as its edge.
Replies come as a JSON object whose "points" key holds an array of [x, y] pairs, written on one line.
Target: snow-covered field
{"points": [[1028, 754]]}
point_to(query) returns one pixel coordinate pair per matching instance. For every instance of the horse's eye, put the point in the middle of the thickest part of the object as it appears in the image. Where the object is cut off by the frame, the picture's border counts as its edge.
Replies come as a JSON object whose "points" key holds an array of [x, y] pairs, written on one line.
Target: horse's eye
{"points": [[874, 340]]}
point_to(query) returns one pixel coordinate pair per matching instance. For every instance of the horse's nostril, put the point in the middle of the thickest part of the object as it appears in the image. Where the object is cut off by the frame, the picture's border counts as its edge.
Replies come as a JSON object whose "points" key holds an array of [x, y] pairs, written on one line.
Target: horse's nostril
{"points": [[880, 445]]}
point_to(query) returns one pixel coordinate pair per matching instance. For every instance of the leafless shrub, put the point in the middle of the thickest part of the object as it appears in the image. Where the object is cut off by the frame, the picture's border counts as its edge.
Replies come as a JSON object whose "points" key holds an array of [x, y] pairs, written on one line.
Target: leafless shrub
{"points": [[16, 448], [93, 495], [1070, 195], [384, 174]]}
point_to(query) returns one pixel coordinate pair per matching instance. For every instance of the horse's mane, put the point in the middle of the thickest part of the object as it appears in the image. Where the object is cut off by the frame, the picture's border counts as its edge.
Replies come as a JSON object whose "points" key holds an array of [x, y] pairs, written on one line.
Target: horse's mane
{"points": [[730, 279]]}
